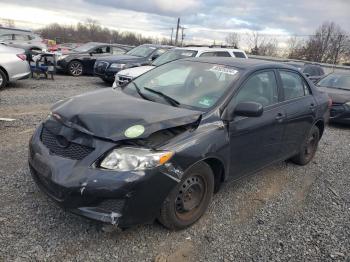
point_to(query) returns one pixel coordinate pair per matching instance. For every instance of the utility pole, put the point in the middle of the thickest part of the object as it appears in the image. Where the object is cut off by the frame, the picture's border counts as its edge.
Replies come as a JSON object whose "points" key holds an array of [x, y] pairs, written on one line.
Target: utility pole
{"points": [[171, 38], [177, 31], [182, 35]]}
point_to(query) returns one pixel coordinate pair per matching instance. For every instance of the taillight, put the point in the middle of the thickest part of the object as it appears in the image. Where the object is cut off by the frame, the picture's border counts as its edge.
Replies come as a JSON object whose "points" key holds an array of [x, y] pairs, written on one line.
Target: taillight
{"points": [[22, 57]]}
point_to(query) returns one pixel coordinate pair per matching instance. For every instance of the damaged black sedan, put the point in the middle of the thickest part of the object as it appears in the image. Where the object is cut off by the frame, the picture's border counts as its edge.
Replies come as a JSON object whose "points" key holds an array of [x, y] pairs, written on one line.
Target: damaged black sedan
{"points": [[159, 147]]}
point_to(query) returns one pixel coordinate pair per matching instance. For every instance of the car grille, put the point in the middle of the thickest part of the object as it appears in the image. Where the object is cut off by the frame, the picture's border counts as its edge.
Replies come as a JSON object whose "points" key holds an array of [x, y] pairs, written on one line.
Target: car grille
{"points": [[101, 67], [122, 80], [67, 149]]}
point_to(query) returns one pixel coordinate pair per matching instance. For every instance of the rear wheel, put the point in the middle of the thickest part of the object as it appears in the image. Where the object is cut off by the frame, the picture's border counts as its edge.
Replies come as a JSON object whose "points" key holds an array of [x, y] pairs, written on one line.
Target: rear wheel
{"points": [[309, 147], [188, 201], [75, 68], [3, 79]]}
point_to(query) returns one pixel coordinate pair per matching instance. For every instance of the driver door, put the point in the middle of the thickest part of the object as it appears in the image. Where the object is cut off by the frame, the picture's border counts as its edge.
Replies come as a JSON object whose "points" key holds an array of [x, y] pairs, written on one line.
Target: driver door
{"points": [[256, 141]]}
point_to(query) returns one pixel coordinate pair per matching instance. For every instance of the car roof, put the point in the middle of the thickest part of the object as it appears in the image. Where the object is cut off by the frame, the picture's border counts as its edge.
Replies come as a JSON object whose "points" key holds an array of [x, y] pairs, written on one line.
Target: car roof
{"points": [[158, 46], [243, 64], [203, 48]]}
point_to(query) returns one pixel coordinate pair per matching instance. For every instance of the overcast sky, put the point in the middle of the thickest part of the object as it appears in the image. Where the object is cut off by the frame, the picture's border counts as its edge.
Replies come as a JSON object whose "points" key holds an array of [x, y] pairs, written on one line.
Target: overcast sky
{"points": [[205, 20]]}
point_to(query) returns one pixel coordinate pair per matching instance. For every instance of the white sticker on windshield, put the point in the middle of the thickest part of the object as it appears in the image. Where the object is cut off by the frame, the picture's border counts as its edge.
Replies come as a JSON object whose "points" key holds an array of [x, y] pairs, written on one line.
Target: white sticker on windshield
{"points": [[224, 70]]}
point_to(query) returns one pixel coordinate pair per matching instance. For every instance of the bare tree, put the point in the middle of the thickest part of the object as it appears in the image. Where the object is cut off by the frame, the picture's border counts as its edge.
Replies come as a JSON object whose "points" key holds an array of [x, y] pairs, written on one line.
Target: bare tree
{"points": [[232, 39], [328, 44], [269, 47], [9, 23]]}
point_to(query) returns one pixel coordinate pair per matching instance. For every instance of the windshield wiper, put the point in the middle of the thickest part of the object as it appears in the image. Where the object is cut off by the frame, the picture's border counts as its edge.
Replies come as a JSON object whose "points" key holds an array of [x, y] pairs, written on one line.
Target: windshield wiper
{"points": [[171, 100], [138, 90]]}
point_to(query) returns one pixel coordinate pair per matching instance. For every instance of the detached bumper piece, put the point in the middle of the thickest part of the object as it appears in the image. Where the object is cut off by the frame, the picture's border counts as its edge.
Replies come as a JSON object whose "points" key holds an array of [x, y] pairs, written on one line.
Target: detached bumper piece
{"points": [[99, 214]]}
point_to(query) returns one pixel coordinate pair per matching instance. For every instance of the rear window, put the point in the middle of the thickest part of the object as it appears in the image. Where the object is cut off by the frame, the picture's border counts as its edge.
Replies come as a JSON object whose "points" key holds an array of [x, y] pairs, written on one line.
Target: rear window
{"points": [[239, 54]]}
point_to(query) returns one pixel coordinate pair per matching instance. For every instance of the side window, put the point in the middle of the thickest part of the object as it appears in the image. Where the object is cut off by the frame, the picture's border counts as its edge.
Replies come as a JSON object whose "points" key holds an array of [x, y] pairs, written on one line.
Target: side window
{"points": [[223, 54], [218, 53], [159, 52], [117, 50], [6, 37], [102, 50], [260, 88], [239, 54], [21, 37], [293, 84]]}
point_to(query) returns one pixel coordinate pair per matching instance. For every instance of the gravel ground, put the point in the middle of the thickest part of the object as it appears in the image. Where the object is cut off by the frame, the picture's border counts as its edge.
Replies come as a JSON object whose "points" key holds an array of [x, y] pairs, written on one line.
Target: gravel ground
{"points": [[284, 213]]}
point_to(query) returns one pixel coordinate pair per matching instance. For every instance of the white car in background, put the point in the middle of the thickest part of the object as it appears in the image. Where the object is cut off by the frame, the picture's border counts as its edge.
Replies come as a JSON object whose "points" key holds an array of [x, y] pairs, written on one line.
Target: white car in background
{"points": [[127, 75], [13, 65]]}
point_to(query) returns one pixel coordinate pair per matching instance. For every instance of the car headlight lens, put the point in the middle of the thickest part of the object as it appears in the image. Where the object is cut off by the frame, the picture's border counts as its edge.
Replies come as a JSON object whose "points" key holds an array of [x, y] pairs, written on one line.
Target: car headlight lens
{"points": [[62, 57], [118, 66], [132, 158]]}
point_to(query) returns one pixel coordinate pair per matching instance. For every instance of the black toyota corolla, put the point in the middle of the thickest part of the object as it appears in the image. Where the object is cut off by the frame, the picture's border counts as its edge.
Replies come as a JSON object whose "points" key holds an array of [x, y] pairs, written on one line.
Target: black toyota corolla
{"points": [[159, 147]]}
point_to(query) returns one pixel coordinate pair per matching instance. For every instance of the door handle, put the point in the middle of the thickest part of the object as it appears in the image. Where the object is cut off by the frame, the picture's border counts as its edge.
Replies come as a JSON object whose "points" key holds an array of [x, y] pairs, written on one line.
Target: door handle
{"points": [[279, 117], [312, 106]]}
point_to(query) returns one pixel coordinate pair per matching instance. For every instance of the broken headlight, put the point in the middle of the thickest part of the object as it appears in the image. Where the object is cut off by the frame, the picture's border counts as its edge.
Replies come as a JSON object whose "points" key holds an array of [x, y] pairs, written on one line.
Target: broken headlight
{"points": [[132, 158]]}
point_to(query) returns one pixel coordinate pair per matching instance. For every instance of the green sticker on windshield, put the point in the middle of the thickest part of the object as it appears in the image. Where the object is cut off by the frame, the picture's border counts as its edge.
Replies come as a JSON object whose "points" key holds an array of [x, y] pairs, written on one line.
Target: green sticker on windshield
{"points": [[206, 101], [134, 131]]}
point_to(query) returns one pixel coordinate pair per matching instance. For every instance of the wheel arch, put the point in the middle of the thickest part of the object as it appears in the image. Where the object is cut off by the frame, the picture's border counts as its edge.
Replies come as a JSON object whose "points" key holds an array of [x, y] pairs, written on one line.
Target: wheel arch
{"points": [[5, 72], [320, 125], [218, 168]]}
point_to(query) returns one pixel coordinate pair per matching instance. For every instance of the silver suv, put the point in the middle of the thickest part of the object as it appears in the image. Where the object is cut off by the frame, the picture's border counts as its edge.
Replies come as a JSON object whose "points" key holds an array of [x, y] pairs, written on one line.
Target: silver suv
{"points": [[27, 41]]}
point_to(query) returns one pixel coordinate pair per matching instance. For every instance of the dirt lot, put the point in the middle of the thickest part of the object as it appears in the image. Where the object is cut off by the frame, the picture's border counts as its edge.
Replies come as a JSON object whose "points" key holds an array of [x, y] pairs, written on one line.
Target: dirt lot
{"points": [[284, 213]]}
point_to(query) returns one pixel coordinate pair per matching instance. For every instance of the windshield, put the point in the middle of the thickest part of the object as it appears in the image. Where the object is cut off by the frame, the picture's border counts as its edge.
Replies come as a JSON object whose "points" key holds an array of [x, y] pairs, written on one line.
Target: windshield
{"points": [[185, 83], [335, 81], [173, 55], [85, 47], [141, 51]]}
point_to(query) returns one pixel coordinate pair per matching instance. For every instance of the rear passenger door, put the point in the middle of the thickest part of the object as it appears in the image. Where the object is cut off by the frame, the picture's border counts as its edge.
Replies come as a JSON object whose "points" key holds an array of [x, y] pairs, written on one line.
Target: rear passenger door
{"points": [[300, 109]]}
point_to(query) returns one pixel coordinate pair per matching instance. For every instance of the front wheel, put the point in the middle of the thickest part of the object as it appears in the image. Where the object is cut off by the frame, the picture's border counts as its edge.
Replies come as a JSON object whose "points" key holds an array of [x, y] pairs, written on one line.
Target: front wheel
{"points": [[75, 68], [308, 148], [3, 79], [189, 200]]}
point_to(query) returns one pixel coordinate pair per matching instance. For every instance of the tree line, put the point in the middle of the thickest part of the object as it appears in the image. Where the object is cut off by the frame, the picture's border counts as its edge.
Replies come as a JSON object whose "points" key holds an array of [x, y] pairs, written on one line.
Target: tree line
{"points": [[92, 31], [328, 44]]}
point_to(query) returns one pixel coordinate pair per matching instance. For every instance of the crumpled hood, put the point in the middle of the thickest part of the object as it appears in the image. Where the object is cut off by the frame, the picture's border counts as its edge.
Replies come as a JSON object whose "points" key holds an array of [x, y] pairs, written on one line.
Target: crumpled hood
{"points": [[109, 113], [120, 58], [337, 95]]}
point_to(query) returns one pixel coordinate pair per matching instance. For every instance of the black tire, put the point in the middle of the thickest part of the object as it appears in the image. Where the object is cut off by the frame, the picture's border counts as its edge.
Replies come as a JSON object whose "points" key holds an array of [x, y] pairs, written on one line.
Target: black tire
{"points": [[75, 68], [189, 200], [107, 81], [3, 79], [308, 148]]}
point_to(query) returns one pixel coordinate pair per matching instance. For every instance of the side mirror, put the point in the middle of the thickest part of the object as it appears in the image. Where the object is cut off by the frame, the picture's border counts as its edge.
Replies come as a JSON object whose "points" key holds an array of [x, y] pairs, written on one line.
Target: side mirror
{"points": [[249, 109]]}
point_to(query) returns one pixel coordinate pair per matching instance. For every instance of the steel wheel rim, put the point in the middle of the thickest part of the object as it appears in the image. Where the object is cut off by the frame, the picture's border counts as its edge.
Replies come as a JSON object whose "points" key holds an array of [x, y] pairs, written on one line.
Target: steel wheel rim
{"points": [[1, 80], [190, 196], [76, 68]]}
